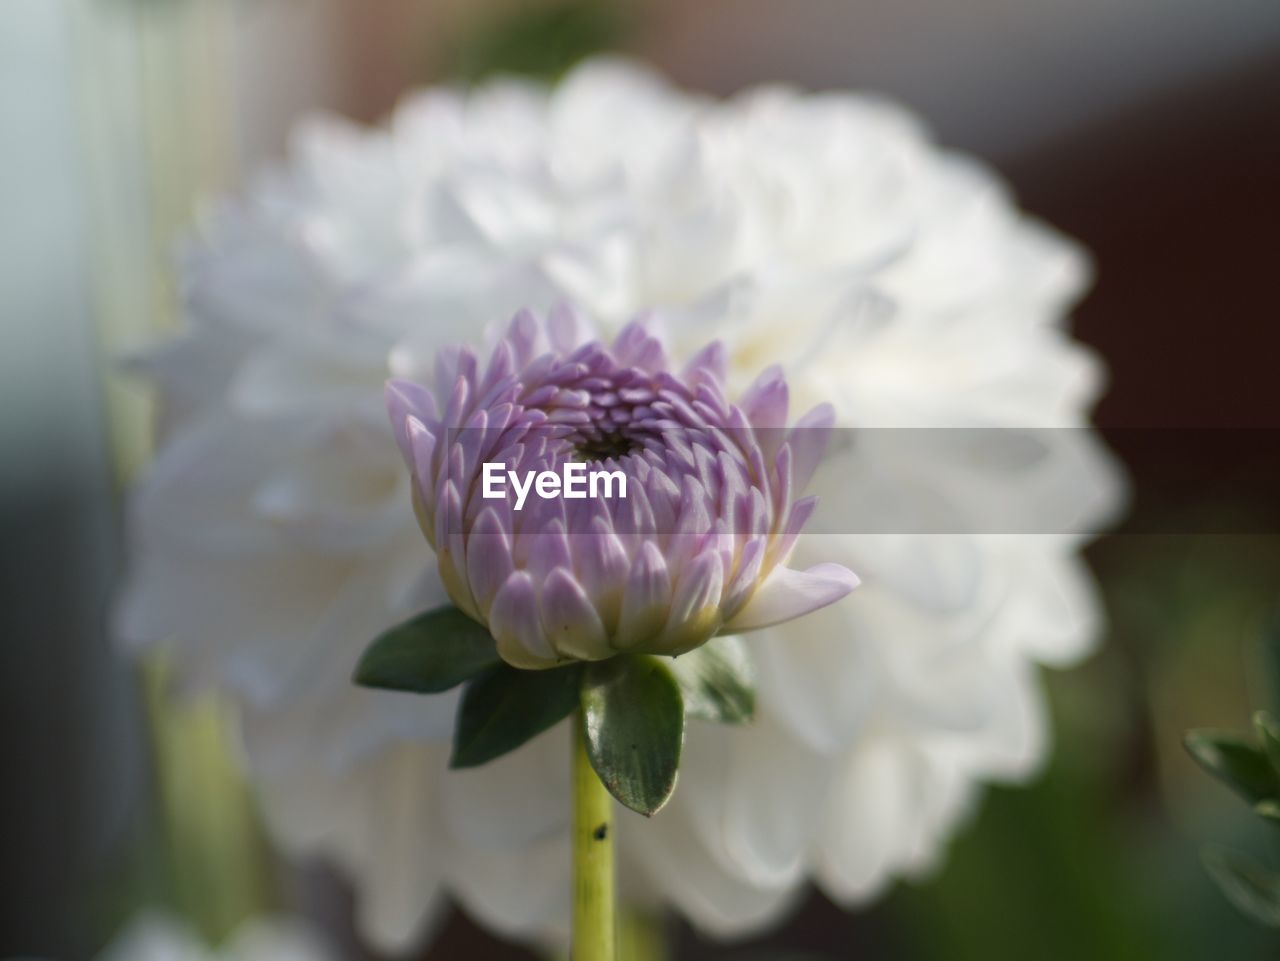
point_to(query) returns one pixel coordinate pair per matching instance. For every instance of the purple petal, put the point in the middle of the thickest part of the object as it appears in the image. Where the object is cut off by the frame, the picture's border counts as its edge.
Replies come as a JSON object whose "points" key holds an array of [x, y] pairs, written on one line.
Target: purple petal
{"points": [[451, 548], [709, 364], [809, 437], [422, 450], [548, 548], [462, 399], [522, 334], [800, 513], [766, 400], [569, 619], [566, 328], [750, 563], [489, 561], [602, 567], [406, 399], [514, 624], [645, 599], [695, 607], [636, 347]]}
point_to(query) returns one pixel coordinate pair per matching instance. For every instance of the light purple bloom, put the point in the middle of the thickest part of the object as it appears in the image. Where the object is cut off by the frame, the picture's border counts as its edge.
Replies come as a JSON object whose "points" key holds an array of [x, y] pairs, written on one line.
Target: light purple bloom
{"points": [[698, 546]]}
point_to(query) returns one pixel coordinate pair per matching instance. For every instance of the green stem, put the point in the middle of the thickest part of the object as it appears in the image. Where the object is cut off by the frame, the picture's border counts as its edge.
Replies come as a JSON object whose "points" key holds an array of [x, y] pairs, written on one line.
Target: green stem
{"points": [[594, 937]]}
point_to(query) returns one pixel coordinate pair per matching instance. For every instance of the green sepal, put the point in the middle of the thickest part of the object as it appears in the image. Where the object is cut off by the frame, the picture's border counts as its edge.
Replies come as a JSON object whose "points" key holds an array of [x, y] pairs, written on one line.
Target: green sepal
{"points": [[427, 654], [505, 707], [1252, 888], [1234, 761], [633, 719], [717, 681]]}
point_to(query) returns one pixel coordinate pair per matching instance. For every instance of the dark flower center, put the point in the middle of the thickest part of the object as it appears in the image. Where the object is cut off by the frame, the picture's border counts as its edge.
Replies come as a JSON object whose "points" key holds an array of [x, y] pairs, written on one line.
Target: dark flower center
{"points": [[602, 445]]}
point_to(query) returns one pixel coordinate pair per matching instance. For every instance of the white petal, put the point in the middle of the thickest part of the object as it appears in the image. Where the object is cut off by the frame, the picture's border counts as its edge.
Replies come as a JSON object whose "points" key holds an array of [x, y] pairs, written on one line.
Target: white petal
{"points": [[516, 800], [679, 853], [873, 801], [774, 795], [819, 676]]}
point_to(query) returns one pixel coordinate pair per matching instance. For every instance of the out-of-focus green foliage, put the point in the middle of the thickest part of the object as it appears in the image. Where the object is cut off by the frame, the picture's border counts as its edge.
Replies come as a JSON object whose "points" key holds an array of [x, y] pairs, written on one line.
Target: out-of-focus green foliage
{"points": [[1233, 760], [1051, 871], [196, 850], [1100, 857], [1252, 770], [1252, 888], [541, 40]]}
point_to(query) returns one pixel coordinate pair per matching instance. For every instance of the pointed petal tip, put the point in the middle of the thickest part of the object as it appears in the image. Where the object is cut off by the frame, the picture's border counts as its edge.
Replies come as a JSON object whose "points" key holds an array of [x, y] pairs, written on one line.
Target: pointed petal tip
{"points": [[821, 416], [407, 403], [402, 393], [787, 594]]}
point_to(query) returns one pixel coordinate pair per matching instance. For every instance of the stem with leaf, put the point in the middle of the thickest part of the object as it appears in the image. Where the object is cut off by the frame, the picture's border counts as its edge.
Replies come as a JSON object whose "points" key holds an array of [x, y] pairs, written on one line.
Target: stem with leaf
{"points": [[594, 924], [628, 717]]}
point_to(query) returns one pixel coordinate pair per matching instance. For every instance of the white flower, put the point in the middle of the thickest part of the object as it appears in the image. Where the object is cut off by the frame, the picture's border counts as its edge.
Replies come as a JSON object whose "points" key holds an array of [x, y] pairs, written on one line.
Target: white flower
{"points": [[823, 232], [155, 937]]}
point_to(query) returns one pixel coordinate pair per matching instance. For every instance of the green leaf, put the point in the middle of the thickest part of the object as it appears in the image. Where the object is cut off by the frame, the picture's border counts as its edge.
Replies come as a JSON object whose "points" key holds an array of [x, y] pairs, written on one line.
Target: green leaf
{"points": [[505, 707], [428, 654], [717, 681], [633, 715], [1253, 889], [1234, 761]]}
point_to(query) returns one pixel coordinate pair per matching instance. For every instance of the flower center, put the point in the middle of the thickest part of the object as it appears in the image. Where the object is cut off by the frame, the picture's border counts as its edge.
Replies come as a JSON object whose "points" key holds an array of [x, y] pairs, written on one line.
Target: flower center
{"points": [[593, 445]]}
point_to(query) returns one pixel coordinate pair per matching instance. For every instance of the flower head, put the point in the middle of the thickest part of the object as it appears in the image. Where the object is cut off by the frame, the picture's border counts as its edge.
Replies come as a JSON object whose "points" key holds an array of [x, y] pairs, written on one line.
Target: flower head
{"points": [[695, 539]]}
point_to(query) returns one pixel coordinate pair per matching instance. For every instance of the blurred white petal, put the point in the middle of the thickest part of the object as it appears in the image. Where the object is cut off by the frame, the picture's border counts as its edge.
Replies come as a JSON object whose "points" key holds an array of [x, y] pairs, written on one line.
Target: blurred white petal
{"points": [[825, 233]]}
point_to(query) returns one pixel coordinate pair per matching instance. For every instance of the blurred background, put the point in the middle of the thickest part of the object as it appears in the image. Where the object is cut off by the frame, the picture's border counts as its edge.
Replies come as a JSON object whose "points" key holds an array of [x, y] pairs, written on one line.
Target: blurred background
{"points": [[1147, 129]]}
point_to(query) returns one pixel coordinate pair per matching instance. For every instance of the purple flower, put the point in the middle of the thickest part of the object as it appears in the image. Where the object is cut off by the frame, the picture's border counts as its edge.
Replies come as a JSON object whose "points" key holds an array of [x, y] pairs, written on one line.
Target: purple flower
{"points": [[696, 547]]}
